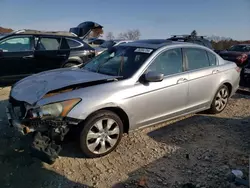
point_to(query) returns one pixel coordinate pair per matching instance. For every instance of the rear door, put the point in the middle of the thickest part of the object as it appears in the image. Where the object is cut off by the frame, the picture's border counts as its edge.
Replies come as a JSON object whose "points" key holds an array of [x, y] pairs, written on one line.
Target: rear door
{"points": [[50, 53], [203, 77], [16, 57]]}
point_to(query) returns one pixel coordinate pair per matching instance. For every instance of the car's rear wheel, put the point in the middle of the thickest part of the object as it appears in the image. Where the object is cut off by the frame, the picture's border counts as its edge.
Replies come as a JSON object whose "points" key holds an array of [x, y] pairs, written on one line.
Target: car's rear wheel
{"points": [[220, 100], [101, 134]]}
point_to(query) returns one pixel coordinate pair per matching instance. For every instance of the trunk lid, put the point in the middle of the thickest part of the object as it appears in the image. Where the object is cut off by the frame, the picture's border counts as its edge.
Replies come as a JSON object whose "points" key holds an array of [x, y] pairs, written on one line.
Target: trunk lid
{"points": [[85, 29]]}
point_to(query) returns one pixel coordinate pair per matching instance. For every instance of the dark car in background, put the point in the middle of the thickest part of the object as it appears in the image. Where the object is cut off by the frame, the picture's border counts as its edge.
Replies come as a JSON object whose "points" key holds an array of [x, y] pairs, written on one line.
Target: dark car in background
{"points": [[201, 40], [109, 43], [93, 42], [240, 54], [26, 52]]}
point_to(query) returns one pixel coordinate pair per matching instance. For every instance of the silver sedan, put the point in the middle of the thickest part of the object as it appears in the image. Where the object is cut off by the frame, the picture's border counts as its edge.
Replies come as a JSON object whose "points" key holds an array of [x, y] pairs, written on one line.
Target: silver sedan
{"points": [[127, 87]]}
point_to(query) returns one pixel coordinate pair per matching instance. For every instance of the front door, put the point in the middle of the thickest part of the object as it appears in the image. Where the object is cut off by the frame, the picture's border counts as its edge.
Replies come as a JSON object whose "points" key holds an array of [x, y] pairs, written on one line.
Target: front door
{"points": [[51, 53], [157, 101], [16, 58]]}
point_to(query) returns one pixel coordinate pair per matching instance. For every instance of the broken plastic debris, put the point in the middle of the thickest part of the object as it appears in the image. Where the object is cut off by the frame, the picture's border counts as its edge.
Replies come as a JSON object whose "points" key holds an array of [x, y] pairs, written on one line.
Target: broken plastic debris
{"points": [[237, 173]]}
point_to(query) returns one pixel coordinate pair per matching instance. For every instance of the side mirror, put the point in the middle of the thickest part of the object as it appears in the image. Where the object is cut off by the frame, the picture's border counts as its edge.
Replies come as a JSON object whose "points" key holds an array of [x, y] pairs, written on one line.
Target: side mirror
{"points": [[153, 76], [1, 52]]}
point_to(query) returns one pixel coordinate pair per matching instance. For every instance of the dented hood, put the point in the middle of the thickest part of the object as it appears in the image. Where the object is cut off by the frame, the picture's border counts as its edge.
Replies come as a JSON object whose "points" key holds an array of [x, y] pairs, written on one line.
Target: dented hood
{"points": [[33, 88]]}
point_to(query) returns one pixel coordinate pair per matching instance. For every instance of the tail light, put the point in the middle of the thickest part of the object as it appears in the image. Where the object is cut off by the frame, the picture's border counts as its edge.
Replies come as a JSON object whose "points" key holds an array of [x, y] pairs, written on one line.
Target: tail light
{"points": [[238, 69], [242, 58]]}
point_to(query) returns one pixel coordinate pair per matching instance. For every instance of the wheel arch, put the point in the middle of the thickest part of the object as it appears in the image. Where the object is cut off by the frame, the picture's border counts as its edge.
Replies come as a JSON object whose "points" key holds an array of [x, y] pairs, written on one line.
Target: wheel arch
{"points": [[229, 86], [118, 111]]}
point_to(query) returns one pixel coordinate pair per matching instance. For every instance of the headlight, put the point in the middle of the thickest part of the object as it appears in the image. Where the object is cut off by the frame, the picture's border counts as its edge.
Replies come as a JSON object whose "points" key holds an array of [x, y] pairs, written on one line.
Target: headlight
{"points": [[59, 109]]}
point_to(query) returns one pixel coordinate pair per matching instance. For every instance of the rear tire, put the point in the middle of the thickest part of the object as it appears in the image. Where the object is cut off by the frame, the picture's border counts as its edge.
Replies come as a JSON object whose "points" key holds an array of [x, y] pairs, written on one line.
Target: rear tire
{"points": [[220, 100], [101, 134]]}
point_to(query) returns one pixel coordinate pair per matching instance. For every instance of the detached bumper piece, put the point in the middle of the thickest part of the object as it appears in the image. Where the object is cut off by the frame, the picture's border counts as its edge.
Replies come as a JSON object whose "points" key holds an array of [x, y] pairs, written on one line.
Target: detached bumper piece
{"points": [[45, 144], [48, 134], [44, 148]]}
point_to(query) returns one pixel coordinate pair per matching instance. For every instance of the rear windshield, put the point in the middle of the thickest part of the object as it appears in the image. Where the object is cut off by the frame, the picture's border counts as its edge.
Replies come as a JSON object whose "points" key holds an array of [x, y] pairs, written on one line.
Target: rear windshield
{"points": [[119, 61]]}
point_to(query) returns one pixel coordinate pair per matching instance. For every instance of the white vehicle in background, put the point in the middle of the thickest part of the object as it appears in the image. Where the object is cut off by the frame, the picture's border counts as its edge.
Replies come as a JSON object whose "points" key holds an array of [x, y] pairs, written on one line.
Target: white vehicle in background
{"points": [[109, 43]]}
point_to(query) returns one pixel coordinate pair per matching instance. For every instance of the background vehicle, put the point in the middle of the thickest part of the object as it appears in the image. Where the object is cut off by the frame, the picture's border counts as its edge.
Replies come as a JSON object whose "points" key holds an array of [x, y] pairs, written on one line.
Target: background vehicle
{"points": [[26, 52], [105, 98], [240, 54], [2, 35], [192, 39], [109, 43], [95, 42]]}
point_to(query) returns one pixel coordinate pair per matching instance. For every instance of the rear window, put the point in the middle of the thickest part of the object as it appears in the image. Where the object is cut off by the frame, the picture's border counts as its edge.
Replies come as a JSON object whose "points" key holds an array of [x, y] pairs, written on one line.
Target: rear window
{"points": [[74, 43], [212, 59], [48, 44], [197, 58]]}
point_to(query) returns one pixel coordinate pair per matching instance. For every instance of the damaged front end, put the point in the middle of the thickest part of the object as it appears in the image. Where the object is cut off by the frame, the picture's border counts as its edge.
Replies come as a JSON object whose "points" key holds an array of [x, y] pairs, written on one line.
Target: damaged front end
{"points": [[48, 124]]}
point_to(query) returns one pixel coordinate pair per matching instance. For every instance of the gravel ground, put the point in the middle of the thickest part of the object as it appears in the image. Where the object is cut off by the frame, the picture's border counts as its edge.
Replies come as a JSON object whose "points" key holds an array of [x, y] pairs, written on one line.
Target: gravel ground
{"points": [[200, 150]]}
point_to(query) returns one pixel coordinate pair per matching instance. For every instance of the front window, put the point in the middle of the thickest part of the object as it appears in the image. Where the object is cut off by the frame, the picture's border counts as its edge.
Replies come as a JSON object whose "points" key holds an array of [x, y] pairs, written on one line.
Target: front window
{"points": [[16, 44], [168, 62], [119, 61], [107, 44], [240, 48]]}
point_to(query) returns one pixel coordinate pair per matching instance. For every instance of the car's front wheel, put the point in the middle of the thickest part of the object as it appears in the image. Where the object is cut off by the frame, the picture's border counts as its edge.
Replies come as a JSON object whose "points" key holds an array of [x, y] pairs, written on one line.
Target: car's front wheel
{"points": [[220, 100], [69, 64], [101, 134]]}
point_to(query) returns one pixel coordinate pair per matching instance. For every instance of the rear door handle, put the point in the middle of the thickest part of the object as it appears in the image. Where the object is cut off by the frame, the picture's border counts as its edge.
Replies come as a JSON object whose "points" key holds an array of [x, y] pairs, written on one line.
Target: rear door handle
{"points": [[62, 55], [28, 57], [181, 80], [215, 71]]}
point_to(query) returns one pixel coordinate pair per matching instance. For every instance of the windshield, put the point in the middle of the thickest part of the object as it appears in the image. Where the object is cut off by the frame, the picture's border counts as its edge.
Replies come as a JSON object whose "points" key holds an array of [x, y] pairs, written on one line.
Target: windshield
{"points": [[240, 48], [107, 44], [119, 61]]}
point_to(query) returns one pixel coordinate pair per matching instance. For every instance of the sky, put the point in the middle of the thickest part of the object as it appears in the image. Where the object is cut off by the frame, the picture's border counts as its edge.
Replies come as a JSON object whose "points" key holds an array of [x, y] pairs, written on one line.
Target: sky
{"points": [[154, 18]]}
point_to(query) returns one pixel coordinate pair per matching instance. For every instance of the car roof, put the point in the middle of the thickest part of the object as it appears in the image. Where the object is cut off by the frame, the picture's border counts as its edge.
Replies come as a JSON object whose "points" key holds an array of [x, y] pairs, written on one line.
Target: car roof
{"points": [[49, 33], [151, 43]]}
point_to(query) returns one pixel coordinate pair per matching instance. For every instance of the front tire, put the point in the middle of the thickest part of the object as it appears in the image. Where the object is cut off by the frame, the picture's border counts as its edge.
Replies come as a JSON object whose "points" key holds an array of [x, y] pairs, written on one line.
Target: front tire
{"points": [[101, 134], [220, 100], [67, 65]]}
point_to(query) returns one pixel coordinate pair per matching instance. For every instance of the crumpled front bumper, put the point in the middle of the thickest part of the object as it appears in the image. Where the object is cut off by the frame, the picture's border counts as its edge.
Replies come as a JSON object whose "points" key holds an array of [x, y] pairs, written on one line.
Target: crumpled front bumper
{"points": [[44, 145]]}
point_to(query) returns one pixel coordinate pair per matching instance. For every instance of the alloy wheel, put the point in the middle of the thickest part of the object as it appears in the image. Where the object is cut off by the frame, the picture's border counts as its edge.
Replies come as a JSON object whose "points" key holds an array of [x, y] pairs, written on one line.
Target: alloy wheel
{"points": [[103, 136], [221, 99]]}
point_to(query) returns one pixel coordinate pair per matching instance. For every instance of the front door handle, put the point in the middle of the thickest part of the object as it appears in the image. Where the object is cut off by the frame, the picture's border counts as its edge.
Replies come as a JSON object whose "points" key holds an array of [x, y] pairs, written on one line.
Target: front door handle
{"points": [[181, 80], [215, 71], [28, 57]]}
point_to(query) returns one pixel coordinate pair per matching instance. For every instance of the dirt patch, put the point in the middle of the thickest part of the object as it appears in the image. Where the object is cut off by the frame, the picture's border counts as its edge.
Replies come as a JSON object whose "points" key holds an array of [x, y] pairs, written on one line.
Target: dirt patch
{"points": [[200, 150]]}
